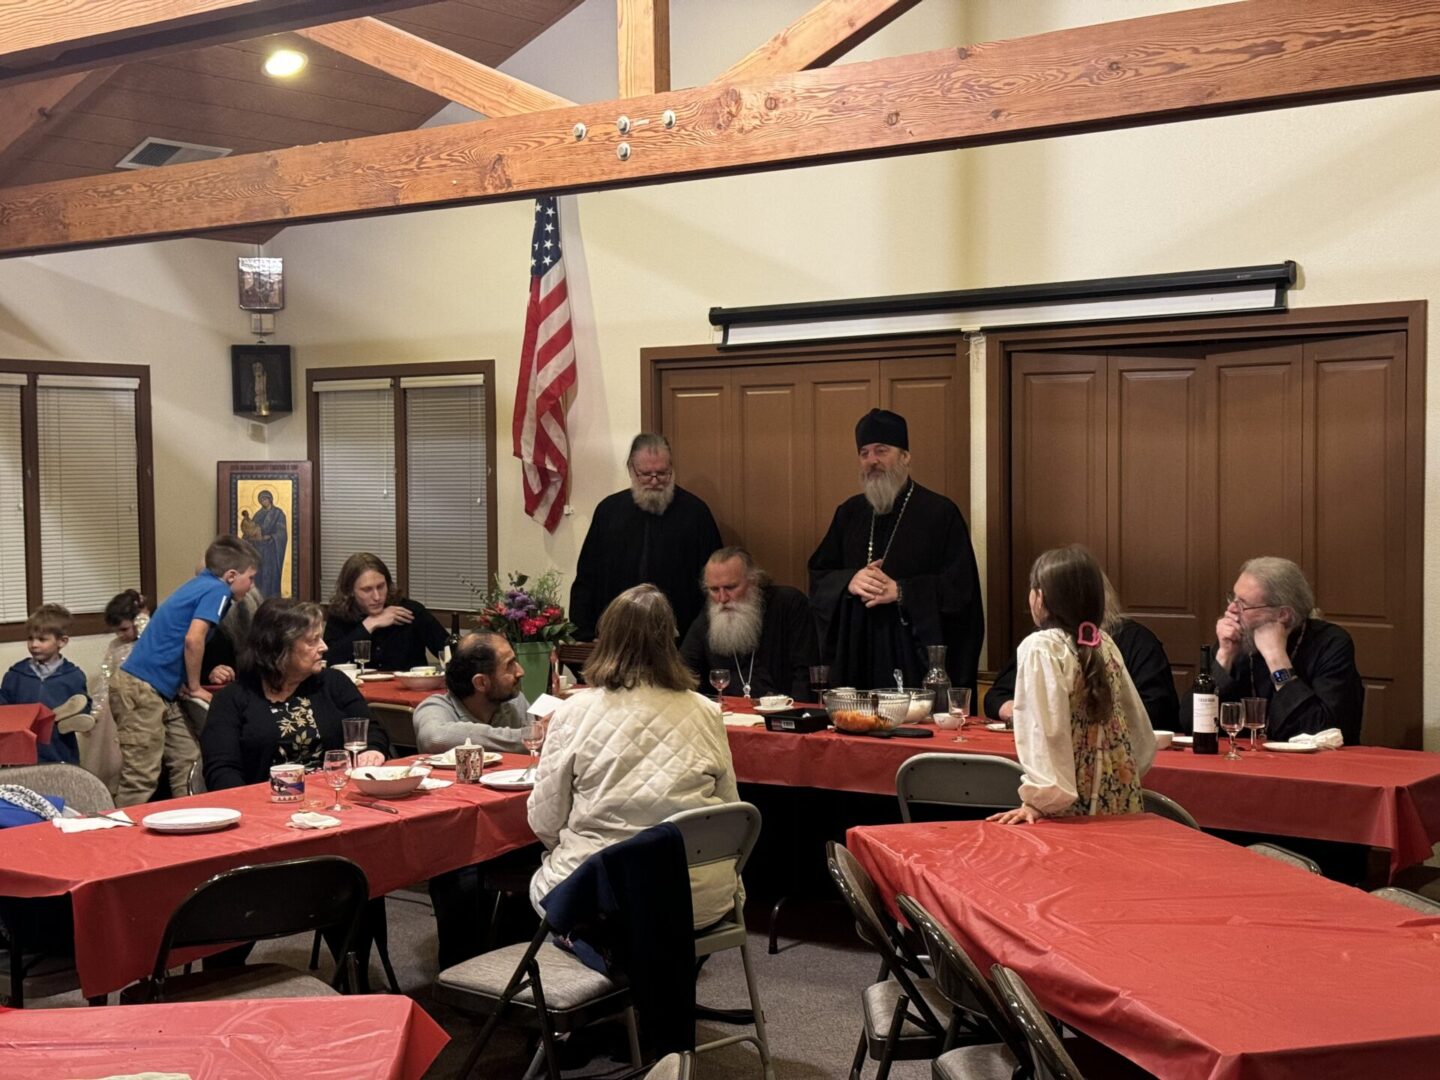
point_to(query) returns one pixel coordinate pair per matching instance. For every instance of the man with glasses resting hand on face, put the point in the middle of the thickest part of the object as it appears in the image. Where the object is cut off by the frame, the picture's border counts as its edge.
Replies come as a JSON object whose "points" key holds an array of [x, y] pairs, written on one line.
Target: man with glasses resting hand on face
{"points": [[1271, 644]]}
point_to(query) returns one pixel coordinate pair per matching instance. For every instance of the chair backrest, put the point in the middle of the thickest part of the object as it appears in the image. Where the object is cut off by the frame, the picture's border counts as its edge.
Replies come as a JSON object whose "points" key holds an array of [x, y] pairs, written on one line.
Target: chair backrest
{"points": [[1051, 1060], [673, 1067], [1408, 899], [398, 722], [196, 712], [962, 983], [1166, 807], [269, 900], [84, 791], [978, 780], [197, 778], [1286, 856], [575, 655], [719, 833]]}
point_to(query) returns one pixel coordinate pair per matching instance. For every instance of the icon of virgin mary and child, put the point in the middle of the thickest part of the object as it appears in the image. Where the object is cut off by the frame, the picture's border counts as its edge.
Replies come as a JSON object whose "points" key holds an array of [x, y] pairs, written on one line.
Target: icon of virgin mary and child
{"points": [[267, 531]]}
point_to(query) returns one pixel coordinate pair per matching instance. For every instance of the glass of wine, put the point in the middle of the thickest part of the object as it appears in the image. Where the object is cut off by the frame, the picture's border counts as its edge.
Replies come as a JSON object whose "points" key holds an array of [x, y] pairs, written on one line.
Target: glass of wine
{"points": [[1256, 709], [719, 679], [819, 681], [532, 735], [361, 651], [959, 707], [337, 772], [357, 736], [1232, 719]]}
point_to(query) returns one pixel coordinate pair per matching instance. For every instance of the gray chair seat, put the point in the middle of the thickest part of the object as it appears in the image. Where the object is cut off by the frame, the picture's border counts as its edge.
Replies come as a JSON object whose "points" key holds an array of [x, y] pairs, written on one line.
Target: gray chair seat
{"points": [[988, 1061], [567, 982], [673, 1067], [878, 1000], [250, 981]]}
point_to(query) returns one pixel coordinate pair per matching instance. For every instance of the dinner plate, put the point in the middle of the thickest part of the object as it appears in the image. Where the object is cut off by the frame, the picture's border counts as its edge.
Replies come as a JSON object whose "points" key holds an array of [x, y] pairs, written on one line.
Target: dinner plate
{"points": [[376, 676], [1183, 740], [507, 780], [769, 710], [1290, 748], [447, 759], [198, 819]]}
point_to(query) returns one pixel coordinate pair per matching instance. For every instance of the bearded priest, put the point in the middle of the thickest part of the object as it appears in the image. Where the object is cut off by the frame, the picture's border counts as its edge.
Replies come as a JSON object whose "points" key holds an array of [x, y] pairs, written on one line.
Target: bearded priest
{"points": [[896, 573]]}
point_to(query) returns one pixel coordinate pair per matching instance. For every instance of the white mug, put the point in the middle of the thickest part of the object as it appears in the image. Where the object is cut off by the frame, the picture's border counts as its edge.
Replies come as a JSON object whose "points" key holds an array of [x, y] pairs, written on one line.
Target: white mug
{"points": [[776, 701]]}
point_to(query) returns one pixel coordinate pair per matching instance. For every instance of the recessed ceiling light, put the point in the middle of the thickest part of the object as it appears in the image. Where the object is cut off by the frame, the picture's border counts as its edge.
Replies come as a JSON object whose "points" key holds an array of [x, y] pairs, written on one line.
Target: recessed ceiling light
{"points": [[283, 63]]}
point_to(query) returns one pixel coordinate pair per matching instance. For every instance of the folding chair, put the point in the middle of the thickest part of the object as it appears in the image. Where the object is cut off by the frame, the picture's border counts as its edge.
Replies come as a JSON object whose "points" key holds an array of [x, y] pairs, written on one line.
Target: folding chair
{"points": [[1048, 1054], [255, 903], [981, 781], [1286, 856], [1166, 807], [901, 1011], [1406, 898], [399, 723], [673, 1067]]}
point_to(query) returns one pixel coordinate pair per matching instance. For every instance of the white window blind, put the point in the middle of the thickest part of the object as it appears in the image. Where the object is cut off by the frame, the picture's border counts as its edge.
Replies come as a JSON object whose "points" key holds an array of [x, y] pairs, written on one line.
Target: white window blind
{"points": [[12, 509], [357, 475], [89, 505], [448, 516]]}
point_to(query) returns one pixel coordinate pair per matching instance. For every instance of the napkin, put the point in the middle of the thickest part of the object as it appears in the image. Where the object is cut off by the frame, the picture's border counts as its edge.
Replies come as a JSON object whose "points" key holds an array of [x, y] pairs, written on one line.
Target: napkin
{"points": [[742, 720], [308, 820], [434, 785], [1329, 739], [148, 1076], [85, 824]]}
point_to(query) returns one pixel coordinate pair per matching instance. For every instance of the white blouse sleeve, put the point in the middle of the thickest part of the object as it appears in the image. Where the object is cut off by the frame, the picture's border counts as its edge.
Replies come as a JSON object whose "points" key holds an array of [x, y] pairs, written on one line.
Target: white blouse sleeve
{"points": [[1045, 673], [1137, 720]]}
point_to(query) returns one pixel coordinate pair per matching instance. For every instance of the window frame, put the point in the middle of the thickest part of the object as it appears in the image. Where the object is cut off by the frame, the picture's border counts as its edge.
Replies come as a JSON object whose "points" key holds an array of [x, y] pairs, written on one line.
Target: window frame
{"points": [[91, 622], [395, 372]]}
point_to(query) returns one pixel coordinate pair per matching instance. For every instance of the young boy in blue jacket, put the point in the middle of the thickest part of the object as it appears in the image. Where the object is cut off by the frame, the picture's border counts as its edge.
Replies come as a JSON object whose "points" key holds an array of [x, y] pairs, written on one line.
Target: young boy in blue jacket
{"points": [[47, 678]]}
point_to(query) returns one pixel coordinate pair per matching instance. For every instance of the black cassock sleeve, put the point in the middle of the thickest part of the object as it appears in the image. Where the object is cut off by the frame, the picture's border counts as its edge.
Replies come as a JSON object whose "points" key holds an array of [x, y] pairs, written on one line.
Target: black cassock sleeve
{"points": [[1325, 693], [692, 649], [1149, 670], [588, 574], [944, 608], [1002, 691], [801, 646], [829, 578]]}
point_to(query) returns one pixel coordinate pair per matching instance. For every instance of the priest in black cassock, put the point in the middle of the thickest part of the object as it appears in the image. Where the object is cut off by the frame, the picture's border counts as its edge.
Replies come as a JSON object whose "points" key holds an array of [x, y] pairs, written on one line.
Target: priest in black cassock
{"points": [[762, 633], [895, 573], [655, 532]]}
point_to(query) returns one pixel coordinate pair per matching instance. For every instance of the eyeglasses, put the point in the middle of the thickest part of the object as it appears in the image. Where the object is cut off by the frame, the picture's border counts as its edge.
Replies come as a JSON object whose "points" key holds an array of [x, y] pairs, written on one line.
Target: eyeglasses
{"points": [[1231, 598], [662, 475]]}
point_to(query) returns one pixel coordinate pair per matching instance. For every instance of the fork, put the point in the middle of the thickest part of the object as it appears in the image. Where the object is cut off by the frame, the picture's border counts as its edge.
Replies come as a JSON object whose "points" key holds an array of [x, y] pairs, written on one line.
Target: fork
{"points": [[107, 817]]}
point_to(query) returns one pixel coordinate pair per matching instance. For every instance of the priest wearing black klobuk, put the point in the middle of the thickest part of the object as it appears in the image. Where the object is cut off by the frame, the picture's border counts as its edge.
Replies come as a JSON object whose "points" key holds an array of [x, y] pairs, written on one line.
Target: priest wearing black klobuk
{"points": [[895, 573]]}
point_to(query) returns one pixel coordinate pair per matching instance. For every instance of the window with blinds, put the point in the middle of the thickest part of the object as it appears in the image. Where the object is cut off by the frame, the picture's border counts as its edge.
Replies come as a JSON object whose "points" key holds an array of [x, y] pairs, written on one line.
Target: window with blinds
{"points": [[13, 578], [357, 472]]}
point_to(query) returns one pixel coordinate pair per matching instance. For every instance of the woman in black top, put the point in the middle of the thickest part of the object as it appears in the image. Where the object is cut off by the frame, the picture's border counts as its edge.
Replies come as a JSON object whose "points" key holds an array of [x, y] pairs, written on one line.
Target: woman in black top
{"points": [[285, 706], [366, 607]]}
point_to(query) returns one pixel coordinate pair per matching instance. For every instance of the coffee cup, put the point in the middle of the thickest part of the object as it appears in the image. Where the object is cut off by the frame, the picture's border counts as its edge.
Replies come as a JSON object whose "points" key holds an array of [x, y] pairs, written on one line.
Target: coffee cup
{"points": [[469, 764], [287, 782], [776, 701]]}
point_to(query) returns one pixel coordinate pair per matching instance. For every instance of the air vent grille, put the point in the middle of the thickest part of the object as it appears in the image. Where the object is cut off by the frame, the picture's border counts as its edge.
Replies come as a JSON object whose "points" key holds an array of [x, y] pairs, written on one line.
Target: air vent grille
{"points": [[153, 152]]}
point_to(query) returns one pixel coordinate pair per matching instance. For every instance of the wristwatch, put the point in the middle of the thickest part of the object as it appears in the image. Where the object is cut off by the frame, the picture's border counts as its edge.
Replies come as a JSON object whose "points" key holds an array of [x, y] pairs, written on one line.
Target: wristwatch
{"points": [[1281, 677]]}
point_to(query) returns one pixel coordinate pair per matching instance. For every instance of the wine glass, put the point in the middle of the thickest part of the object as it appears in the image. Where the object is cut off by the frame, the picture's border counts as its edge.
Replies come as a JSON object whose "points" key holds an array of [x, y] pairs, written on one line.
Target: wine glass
{"points": [[337, 772], [361, 651], [1255, 713], [532, 735], [719, 679], [819, 681], [1232, 719], [357, 736], [959, 704]]}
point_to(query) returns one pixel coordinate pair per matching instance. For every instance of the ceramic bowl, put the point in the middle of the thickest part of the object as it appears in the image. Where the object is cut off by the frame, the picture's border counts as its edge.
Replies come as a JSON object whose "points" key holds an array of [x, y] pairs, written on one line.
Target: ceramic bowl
{"points": [[1163, 739], [387, 781]]}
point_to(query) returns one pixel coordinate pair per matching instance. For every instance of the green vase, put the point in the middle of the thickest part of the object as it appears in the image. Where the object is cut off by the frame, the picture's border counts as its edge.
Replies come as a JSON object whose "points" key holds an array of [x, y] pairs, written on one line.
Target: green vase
{"points": [[534, 657]]}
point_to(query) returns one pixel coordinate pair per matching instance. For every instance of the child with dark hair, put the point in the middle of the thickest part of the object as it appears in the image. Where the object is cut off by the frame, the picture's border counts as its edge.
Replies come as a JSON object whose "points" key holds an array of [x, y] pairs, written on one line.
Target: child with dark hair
{"points": [[1081, 731], [47, 678], [126, 614]]}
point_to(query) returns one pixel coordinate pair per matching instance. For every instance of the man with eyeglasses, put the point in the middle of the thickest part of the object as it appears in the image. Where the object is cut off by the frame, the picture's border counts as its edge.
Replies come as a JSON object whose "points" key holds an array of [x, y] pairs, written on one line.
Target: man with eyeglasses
{"points": [[1272, 644], [656, 532]]}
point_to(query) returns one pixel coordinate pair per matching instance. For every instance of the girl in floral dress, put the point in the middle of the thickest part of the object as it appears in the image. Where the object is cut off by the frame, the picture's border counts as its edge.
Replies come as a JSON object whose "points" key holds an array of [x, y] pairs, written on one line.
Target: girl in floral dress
{"points": [[1081, 731]]}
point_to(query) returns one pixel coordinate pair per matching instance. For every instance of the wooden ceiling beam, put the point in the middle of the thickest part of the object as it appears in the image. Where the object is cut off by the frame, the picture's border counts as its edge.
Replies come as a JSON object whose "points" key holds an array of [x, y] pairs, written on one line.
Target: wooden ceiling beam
{"points": [[819, 37], [1259, 54], [422, 63], [29, 112], [40, 38], [642, 29]]}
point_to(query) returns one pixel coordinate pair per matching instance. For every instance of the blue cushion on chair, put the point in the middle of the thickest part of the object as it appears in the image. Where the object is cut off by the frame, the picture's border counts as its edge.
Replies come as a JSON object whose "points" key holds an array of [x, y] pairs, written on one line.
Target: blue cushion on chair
{"points": [[11, 815]]}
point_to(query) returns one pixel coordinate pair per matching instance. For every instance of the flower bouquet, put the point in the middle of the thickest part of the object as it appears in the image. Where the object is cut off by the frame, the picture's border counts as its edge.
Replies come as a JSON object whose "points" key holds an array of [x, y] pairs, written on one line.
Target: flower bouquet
{"points": [[523, 610]]}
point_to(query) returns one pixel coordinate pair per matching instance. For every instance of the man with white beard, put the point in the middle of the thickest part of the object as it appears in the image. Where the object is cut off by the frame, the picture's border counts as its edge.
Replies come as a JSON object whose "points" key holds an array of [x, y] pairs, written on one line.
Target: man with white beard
{"points": [[896, 572], [761, 632], [655, 532]]}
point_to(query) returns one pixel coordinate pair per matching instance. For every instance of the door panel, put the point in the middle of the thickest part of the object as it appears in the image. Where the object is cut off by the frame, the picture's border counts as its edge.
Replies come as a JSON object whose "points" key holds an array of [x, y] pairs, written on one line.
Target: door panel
{"points": [[935, 402], [840, 393], [775, 458], [699, 410]]}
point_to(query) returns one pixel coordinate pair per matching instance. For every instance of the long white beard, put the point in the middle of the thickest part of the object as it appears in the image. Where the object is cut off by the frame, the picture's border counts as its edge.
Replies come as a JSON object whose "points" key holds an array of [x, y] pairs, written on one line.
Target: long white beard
{"points": [[881, 489], [736, 628], [651, 501]]}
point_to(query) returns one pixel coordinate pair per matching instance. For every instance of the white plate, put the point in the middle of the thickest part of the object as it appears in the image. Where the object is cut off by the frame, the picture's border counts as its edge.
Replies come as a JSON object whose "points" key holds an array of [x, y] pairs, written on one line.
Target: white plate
{"points": [[200, 819], [1183, 740], [1290, 748], [507, 780], [376, 676], [447, 759], [766, 710], [998, 725]]}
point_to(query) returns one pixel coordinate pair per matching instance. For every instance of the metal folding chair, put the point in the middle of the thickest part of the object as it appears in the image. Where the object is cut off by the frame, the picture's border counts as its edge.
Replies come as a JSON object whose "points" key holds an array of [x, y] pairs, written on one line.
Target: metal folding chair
{"points": [[1048, 1054], [1405, 898], [1166, 807], [1286, 856], [980, 781], [399, 723]]}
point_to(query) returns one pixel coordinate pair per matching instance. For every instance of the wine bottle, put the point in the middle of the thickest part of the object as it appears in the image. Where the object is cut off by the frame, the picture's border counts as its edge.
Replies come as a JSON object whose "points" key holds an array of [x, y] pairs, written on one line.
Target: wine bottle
{"points": [[1204, 707]]}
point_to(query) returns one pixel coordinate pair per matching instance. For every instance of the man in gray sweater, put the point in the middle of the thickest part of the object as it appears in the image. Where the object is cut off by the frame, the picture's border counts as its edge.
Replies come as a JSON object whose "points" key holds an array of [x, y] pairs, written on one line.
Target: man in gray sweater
{"points": [[482, 701]]}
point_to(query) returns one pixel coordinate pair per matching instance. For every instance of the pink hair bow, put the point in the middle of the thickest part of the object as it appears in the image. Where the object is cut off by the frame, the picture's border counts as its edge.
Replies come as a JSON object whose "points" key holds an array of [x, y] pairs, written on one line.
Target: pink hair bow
{"points": [[1088, 635]]}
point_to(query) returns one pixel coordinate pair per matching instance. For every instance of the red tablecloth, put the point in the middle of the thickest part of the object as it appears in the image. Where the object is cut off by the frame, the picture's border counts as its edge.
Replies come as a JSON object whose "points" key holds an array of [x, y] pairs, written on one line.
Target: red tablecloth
{"points": [[124, 883], [1193, 957], [1360, 794], [21, 728], [390, 692], [373, 1037]]}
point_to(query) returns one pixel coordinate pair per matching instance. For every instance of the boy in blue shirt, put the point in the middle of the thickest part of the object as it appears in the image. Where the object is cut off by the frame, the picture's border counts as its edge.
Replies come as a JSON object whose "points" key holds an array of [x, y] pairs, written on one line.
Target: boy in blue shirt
{"points": [[165, 664], [47, 678]]}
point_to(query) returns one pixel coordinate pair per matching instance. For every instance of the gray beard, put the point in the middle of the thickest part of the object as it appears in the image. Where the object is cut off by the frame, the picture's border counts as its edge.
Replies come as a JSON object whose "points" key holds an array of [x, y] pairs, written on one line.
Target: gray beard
{"points": [[737, 629], [881, 490], [652, 502]]}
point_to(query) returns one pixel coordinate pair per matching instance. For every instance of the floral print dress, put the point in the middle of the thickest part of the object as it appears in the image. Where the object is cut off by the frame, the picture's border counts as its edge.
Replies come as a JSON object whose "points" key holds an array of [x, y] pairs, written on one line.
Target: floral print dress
{"points": [[299, 733]]}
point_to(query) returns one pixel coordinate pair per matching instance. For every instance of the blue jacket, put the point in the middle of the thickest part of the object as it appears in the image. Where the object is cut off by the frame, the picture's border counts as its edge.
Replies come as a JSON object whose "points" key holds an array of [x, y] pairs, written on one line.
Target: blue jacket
{"points": [[21, 686]]}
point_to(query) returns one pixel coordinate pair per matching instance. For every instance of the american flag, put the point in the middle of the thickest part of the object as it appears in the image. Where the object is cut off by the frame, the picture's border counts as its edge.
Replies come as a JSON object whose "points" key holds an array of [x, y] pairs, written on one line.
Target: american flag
{"points": [[547, 371]]}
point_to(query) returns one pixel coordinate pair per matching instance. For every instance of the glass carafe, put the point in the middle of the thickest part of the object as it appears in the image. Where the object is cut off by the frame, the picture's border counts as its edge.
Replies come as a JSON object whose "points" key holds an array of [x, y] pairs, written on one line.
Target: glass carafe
{"points": [[937, 679]]}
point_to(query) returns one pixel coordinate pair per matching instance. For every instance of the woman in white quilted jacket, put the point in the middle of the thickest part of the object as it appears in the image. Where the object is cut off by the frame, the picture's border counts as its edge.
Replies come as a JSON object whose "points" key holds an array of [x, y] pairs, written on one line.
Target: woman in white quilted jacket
{"points": [[638, 746]]}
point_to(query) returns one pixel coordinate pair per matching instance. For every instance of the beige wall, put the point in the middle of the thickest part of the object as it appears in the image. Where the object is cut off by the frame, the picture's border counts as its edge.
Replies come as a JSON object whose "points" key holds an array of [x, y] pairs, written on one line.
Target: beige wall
{"points": [[1349, 191]]}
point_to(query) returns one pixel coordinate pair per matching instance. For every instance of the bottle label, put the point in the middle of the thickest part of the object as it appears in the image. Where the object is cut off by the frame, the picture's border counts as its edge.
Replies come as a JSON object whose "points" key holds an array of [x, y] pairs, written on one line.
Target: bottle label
{"points": [[1206, 710]]}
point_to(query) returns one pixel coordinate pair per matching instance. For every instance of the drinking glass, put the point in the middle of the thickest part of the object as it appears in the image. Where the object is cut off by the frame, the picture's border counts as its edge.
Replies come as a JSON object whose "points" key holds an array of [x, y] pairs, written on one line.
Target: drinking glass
{"points": [[959, 704], [357, 736], [1256, 709], [719, 679], [361, 651], [337, 772], [1232, 719], [532, 735], [819, 681]]}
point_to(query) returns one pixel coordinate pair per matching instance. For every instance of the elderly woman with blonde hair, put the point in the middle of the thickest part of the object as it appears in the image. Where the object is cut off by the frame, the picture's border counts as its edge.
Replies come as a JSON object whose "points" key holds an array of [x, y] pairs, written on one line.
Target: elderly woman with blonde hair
{"points": [[635, 748]]}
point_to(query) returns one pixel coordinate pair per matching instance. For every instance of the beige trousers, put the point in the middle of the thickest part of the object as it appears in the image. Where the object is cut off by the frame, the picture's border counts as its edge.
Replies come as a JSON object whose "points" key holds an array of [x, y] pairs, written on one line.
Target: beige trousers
{"points": [[153, 735]]}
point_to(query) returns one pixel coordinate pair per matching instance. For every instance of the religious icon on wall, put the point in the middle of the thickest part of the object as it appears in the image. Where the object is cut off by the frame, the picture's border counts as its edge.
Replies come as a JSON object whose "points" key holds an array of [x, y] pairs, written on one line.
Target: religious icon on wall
{"points": [[268, 504], [260, 381], [262, 283]]}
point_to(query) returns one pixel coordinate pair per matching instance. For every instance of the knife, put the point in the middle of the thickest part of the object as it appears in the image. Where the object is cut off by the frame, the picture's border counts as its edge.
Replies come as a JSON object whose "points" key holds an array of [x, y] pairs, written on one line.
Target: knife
{"points": [[376, 806]]}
